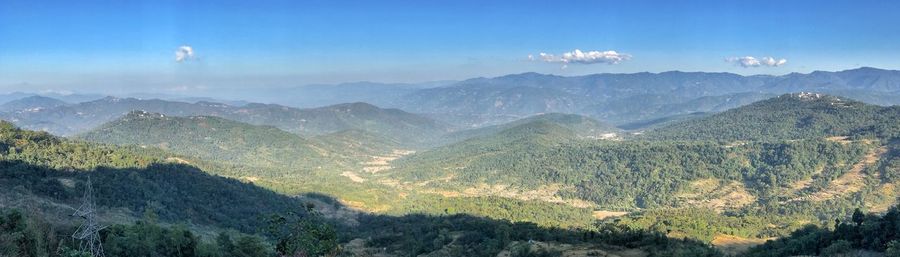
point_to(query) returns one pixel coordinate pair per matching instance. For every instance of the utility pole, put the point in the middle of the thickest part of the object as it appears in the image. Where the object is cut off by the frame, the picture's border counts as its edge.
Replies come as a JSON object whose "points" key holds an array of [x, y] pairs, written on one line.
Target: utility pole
{"points": [[89, 231]]}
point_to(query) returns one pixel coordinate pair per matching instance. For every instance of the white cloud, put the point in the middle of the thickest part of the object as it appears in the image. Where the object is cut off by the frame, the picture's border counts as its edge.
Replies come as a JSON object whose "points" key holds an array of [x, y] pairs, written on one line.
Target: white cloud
{"points": [[579, 57], [184, 53], [752, 62], [769, 61]]}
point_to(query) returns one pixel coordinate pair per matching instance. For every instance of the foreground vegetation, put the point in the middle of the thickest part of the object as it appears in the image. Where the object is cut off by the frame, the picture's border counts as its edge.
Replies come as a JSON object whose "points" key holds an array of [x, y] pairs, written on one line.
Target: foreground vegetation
{"points": [[413, 235], [862, 232]]}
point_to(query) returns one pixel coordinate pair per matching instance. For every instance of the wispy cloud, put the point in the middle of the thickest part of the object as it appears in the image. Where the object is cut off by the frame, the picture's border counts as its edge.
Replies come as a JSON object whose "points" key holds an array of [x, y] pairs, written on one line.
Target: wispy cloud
{"points": [[579, 57], [186, 88], [752, 62], [184, 53]]}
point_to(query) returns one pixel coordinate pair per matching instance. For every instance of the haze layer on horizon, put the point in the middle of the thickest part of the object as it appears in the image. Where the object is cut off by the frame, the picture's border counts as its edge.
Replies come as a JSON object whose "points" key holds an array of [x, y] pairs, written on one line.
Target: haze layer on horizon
{"points": [[197, 47]]}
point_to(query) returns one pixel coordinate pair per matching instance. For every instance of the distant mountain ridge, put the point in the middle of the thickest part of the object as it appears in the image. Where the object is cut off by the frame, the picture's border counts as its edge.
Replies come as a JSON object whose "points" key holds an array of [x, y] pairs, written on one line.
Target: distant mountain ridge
{"points": [[635, 101], [627, 98], [581, 126], [66, 97], [390, 123], [32, 103]]}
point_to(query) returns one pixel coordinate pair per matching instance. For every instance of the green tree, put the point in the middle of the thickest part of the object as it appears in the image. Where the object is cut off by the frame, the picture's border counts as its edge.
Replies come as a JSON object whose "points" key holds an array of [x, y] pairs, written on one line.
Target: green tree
{"points": [[858, 217], [303, 236], [893, 249], [837, 248], [249, 246]]}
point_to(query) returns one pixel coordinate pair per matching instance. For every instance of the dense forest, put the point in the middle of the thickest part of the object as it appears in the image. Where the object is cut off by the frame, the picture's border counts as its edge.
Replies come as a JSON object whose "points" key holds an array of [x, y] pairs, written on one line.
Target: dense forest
{"points": [[538, 154], [176, 201], [214, 139], [790, 116], [860, 233], [57, 169]]}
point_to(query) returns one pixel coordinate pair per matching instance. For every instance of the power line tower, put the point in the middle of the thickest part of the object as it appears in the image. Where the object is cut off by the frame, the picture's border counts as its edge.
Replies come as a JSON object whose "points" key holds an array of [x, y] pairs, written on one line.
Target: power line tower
{"points": [[89, 231]]}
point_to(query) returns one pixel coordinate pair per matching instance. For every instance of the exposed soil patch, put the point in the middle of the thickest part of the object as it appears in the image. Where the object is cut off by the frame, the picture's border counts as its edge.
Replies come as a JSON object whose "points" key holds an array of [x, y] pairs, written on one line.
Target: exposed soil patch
{"points": [[382, 163], [839, 139], [177, 160], [353, 177], [608, 214], [734, 245], [716, 194]]}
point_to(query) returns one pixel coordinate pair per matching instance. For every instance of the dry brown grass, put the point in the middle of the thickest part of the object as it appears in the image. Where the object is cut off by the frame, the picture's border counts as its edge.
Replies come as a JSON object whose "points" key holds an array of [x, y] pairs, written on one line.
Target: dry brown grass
{"points": [[608, 214], [383, 163], [886, 196], [353, 177], [851, 182], [545, 193], [177, 160], [734, 245], [250, 178], [716, 194], [839, 139]]}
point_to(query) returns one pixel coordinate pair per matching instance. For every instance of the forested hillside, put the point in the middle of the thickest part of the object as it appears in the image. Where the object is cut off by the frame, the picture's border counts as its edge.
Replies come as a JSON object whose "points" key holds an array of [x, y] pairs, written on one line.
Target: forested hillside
{"points": [[216, 139], [138, 186], [582, 126], [818, 158], [748, 180], [535, 155], [858, 235], [39, 167], [791, 116], [338, 164], [554, 169]]}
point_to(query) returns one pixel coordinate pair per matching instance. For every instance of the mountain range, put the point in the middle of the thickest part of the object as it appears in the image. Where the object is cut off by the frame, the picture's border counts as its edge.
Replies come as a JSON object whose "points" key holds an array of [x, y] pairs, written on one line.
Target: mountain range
{"points": [[76, 118], [625, 98], [633, 101]]}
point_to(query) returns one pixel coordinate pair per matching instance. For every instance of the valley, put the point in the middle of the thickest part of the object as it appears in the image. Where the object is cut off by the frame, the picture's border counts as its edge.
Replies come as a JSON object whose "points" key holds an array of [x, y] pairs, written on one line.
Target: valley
{"points": [[726, 181]]}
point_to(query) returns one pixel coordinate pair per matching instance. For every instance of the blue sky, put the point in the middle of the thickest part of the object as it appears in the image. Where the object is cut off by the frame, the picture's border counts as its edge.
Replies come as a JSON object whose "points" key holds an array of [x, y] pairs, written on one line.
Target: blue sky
{"points": [[131, 45]]}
